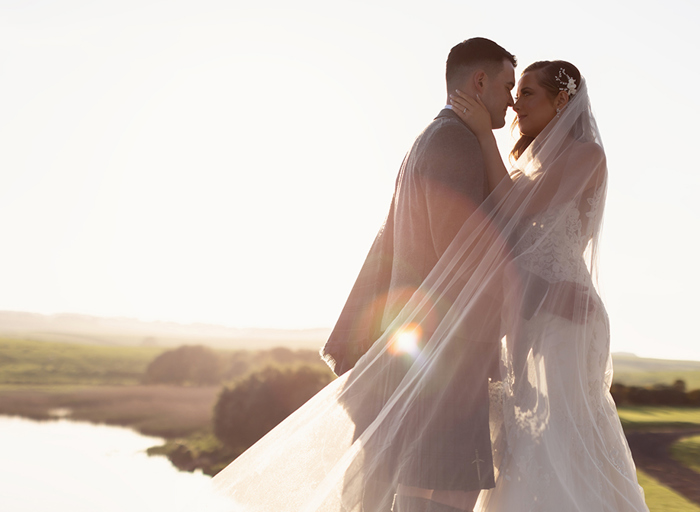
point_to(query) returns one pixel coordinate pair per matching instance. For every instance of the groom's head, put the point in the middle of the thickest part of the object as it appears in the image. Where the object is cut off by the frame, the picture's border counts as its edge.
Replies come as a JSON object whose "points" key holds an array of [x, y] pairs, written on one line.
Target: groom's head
{"points": [[478, 66]]}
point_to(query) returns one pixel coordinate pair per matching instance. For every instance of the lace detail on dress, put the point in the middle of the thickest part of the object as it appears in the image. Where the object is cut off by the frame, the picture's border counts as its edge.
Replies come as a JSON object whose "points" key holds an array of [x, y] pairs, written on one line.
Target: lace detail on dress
{"points": [[558, 413], [594, 204], [551, 244]]}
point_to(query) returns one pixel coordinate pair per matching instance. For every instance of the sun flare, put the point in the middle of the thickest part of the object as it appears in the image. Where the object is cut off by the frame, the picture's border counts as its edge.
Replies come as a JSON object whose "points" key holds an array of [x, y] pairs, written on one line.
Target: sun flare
{"points": [[407, 340]]}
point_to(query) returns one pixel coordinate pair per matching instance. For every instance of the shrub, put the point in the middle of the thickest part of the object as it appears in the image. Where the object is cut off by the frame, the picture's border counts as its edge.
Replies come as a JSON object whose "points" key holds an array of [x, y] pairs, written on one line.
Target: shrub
{"points": [[659, 394], [194, 365], [252, 407]]}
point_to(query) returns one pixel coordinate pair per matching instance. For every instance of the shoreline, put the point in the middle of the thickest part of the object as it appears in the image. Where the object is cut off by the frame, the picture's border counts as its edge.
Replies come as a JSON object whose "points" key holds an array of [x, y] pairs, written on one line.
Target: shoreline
{"points": [[182, 416], [162, 411]]}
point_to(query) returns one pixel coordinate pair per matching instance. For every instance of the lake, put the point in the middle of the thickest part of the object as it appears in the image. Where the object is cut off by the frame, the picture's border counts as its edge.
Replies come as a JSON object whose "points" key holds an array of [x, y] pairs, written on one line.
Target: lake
{"points": [[67, 466]]}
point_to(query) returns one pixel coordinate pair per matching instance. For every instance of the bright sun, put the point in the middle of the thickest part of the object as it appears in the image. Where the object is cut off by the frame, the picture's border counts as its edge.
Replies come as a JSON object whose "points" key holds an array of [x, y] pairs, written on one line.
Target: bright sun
{"points": [[407, 340]]}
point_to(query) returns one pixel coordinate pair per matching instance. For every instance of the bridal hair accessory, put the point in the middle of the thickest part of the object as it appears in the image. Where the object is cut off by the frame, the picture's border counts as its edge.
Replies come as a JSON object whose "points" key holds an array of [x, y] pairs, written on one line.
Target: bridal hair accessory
{"points": [[568, 85]]}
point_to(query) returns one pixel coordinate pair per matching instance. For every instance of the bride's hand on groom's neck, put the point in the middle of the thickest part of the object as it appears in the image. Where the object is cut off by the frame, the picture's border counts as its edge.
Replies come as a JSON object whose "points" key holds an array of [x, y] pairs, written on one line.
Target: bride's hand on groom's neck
{"points": [[473, 112]]}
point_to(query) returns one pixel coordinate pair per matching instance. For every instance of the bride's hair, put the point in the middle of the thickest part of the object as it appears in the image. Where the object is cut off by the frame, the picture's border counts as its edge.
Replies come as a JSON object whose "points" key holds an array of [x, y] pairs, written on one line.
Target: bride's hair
{"points": [[547, 74]]}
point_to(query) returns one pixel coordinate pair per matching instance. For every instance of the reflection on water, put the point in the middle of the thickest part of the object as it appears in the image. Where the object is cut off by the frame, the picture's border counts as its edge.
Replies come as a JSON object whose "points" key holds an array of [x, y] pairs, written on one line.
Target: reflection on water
{"points": [[66, 466]]}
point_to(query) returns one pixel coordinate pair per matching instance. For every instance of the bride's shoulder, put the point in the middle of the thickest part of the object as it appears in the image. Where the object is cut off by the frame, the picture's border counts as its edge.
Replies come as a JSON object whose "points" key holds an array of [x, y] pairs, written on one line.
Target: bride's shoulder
{"points": [[588, 152], [589, 158]]}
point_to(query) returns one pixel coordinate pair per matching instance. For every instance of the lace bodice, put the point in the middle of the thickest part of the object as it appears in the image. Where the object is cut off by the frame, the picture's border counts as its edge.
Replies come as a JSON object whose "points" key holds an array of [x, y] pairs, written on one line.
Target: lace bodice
{"points": [[552, 243]]}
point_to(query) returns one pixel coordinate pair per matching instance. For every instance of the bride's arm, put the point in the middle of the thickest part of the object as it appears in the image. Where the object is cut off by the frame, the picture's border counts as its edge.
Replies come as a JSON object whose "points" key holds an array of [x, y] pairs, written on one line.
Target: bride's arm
{"points": [[581, 167]]}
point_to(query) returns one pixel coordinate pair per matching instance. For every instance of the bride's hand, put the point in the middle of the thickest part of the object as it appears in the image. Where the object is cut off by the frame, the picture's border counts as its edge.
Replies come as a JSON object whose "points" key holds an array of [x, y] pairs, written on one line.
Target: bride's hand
{"points": [[473, 112]]}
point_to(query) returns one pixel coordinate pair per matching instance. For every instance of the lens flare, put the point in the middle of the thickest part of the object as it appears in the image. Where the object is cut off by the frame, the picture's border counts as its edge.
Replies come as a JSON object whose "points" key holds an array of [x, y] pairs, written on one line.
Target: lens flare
{"points": [[407, 340]]}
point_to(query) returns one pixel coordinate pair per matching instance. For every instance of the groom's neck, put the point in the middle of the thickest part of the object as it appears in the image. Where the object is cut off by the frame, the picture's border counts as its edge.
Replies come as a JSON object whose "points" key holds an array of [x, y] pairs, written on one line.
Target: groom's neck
{"points": [[466, 88]]}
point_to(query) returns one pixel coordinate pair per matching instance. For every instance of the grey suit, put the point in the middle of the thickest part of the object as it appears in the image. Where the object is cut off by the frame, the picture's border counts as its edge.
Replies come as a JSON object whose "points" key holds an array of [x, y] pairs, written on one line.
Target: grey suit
{"points": [[441, 182]]}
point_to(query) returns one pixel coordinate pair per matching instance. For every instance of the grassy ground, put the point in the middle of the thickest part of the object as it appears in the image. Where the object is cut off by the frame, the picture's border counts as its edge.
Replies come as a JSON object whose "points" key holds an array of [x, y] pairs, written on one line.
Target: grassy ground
{"points": [[39, 363], [649, 418], [662, 499], [687, 452], [202, 450], [102, 384]]}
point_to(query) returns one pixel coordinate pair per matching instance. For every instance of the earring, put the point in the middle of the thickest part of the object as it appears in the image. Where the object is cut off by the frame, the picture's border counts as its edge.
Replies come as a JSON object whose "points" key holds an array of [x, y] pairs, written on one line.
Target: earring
{"points": [[558, 112]]}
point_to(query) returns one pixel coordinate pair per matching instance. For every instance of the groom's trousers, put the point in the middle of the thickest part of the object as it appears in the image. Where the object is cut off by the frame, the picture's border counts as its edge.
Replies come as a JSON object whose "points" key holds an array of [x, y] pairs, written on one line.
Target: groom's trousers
{"points": [[411, 504], [445, 440]]}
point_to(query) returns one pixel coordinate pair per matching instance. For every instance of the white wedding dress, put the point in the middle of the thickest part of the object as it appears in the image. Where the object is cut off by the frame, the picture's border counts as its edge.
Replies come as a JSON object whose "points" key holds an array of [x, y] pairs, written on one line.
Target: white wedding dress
{"points": [[557, 442]]}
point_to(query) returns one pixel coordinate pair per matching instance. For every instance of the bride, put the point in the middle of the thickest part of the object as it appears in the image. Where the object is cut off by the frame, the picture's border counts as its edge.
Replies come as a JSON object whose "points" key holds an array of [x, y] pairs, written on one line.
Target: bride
{"points": [[562, 445], [557, 441]]}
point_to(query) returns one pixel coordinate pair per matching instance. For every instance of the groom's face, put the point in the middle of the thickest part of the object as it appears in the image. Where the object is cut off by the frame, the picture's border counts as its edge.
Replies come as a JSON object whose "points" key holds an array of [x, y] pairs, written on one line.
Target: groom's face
{"points": [[496, 93]]}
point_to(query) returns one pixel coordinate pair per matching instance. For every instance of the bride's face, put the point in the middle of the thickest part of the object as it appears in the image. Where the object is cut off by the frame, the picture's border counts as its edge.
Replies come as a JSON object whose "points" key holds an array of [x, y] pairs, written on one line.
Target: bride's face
{"points": [[534, 106]]}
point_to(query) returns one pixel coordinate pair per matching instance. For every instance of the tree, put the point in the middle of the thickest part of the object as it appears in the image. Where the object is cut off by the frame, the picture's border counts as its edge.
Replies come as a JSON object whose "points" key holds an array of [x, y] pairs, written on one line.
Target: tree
{"points": [[659, 394], [236, 365], [252, 407], [194, 365], [679, 385], [694, 397]]}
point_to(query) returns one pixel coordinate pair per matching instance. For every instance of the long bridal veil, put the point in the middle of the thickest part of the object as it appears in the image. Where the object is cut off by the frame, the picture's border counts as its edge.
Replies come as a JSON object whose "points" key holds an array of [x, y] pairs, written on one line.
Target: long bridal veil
{"points": [[511, 312]]}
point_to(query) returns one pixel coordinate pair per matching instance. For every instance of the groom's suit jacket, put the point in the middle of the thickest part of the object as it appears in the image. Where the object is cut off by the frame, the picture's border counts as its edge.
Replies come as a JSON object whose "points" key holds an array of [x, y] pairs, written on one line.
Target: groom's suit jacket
{"points": [[442, 181]]}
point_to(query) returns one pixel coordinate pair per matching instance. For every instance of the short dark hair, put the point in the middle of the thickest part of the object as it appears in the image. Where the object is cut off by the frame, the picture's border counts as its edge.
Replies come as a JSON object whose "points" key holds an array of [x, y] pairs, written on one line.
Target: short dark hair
{"points": [[477, 51]]}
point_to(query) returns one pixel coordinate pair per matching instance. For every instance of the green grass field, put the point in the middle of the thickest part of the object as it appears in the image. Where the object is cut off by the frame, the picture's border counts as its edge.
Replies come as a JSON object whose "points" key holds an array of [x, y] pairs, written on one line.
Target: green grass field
{"points": [[651, 417], [662, 499], [102, 384], [687, 452], [24, 362]]}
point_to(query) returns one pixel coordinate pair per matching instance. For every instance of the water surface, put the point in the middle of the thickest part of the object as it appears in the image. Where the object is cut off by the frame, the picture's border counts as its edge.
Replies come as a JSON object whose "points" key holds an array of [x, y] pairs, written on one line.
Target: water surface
{"points": [[67, 466]]}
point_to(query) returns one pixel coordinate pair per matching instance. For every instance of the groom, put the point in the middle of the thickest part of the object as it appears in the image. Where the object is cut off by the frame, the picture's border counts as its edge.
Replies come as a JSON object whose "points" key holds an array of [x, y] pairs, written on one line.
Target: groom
{"points": [[442, 181]]}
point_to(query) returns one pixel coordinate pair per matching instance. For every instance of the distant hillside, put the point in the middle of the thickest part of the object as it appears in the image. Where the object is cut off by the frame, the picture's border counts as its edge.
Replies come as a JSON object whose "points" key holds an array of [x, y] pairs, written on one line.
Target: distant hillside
{"points": [[84, 329], [631, 363], [637, 371]]}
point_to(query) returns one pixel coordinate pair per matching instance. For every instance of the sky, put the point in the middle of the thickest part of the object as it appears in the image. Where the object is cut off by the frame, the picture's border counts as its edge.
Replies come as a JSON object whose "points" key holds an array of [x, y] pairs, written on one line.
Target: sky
{"points": [[230, 162]]}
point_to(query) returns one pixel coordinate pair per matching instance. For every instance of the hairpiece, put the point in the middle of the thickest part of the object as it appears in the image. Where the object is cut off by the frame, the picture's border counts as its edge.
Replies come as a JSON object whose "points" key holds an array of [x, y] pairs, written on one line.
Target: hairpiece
{"points": [[568, 85]]}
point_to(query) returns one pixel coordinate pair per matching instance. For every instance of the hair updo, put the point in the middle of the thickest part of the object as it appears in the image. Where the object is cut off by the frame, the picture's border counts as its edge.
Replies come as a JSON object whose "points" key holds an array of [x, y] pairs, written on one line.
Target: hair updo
{"points": [[547, 74]]}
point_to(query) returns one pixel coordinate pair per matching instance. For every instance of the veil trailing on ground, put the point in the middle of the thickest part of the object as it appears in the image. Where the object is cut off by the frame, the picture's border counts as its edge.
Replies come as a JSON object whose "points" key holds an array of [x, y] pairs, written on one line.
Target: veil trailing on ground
{"points": [[510, 317]]}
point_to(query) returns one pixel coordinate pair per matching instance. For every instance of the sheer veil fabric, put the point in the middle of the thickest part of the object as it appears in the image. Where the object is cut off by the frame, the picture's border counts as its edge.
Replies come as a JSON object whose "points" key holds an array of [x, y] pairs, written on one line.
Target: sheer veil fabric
{"points": [[525, 263]]}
